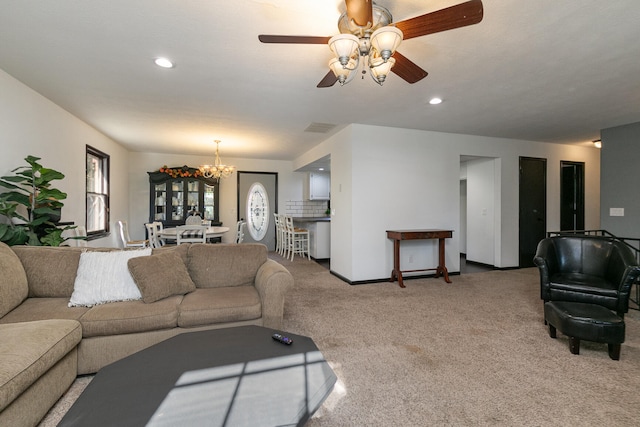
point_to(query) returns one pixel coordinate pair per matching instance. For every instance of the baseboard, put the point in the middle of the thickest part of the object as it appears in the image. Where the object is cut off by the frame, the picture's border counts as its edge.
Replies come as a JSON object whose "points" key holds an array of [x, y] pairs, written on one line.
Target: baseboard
{"points": [[386, 279]]}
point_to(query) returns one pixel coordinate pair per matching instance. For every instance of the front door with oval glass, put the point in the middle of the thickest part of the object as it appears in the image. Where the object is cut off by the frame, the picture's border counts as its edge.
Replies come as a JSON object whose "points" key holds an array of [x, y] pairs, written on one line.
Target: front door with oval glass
{"points": [[257, 211], [257, 201]]}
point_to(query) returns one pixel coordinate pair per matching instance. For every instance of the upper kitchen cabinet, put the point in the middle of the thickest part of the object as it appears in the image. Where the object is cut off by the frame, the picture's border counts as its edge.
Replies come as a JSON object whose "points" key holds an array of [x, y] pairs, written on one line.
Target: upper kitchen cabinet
{"points": [[177, 192], [317, 186]]}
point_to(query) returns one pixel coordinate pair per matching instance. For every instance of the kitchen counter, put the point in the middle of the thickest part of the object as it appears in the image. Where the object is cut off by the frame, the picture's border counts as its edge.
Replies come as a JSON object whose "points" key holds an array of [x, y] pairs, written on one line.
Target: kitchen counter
{"points": [[312, 219], [319, 235]]}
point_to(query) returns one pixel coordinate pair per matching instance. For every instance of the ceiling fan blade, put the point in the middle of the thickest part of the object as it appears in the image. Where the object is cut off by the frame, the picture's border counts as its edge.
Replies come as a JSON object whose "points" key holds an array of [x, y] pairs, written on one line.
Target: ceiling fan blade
{"points": [[329, 80], [407, 70], [360, 11], [461, 15], [266, 38]]}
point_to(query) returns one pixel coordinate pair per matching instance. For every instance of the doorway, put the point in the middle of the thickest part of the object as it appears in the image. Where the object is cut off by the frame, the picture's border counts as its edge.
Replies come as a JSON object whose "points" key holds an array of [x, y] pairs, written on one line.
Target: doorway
{"points": [[269, 182], [571, 195], [533, 207]]}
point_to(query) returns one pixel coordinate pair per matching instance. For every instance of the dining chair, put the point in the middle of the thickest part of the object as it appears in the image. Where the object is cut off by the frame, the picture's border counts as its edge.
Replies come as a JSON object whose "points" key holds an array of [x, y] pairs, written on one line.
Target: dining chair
{"points": [[297, 239], [240, 231], [154, 230], [75, 237], [126, 240], [191, 234], [80, 234], [193, 220]]}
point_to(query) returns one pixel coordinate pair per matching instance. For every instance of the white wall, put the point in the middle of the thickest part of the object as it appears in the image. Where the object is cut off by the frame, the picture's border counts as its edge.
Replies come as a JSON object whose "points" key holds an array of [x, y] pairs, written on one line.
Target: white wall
{"points": [[462, 233], [30, 124], [401, 179], [382, 178], [289, 185], [482, 232], [340, 148]]}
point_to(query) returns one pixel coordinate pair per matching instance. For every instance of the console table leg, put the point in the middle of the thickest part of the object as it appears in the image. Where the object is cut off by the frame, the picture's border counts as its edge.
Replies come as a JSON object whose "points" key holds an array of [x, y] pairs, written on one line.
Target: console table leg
{"points": [[441, 266], [396, 273]]}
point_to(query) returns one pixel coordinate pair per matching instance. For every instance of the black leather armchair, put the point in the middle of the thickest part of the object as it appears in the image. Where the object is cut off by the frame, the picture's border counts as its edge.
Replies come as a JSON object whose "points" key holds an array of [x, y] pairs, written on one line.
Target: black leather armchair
{"points": [[596, 270]]}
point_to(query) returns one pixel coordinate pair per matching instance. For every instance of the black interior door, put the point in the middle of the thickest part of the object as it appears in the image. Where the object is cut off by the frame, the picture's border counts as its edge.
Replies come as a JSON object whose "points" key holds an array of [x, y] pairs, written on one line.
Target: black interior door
{"points": [[571, 195], [533, 207]]}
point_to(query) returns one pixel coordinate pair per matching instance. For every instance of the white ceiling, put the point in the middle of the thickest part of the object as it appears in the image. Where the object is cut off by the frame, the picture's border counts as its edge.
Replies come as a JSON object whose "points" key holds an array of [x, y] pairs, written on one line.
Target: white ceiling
{"points": [[545, 70]]}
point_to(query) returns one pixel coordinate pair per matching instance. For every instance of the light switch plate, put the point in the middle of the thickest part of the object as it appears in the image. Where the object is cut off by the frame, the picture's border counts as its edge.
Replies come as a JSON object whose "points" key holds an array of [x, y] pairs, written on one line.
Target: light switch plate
{"points": [[616, 211]]}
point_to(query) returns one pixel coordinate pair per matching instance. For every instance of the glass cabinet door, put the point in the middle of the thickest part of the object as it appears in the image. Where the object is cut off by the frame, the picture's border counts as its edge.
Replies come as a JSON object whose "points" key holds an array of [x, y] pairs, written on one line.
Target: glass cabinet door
{"points": [[209, 202], [177, 200], [160, 202], [193, 196]]}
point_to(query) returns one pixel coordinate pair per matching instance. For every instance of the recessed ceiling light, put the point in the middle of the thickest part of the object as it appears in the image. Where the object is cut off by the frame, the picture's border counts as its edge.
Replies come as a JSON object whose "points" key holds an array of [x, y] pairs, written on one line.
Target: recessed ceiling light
{"points": [[163, 62], [320, 169], [435, 101]]}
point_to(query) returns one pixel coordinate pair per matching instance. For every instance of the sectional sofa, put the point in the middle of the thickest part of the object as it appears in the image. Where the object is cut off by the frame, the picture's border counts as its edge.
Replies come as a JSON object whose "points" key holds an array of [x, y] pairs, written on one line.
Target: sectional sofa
{"points": [[54, 324]]}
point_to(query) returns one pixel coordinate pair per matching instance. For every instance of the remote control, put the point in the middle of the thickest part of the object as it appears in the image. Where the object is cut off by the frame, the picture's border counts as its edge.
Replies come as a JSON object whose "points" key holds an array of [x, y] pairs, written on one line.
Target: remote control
{"points": [[282, 339]]}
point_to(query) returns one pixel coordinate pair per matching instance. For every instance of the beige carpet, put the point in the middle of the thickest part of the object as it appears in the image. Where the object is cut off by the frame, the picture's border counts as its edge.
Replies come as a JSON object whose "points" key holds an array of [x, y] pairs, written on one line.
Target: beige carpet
{"points": [[471, 353]]}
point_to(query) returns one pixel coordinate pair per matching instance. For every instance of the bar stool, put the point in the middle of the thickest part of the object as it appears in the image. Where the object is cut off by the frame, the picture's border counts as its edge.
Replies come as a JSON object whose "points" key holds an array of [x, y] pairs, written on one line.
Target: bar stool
{"points": [[297, 239], [280, 233]]}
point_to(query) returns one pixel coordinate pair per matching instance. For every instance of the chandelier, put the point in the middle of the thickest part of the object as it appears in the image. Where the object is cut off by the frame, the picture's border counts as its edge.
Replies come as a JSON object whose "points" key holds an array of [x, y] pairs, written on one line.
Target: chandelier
{"points": [[216, 170], [375, 43]]}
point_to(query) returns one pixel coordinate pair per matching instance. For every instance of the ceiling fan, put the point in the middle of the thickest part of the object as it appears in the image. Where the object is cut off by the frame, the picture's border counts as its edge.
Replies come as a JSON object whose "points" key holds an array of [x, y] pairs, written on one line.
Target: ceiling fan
{"points": [[367, 31]]}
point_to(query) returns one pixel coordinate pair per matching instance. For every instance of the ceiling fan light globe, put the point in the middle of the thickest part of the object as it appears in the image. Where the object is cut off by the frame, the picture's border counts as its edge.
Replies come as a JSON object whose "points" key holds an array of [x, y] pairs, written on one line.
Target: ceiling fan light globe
{"points": [[343, 45], [386, 40], [341, 72], [380, 69]]}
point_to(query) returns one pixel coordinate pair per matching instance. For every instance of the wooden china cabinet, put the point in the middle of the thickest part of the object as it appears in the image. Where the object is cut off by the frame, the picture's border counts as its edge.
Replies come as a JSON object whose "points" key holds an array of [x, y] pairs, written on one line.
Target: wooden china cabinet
{"points": [[182, 191]]}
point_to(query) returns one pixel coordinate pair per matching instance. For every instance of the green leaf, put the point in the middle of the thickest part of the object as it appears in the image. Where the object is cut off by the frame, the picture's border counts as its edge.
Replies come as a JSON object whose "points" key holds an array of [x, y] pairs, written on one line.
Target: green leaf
{"points": [[19, 198], [53, 237], [15, 178], [39, 220], [13, 235], [33, 239], [51, 193], [49, 174], [33, 161], [10, 186]]}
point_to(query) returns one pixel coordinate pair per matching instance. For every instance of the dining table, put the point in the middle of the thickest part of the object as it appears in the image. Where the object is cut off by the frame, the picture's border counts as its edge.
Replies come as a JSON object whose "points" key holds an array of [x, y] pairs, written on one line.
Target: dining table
{"points": [[211, 232]]}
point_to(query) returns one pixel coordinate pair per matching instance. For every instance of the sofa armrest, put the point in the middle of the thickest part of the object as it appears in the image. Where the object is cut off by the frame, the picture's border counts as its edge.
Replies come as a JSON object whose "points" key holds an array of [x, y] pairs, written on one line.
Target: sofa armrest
{"points": [[547, 262], [272, 282], [623, 271]]}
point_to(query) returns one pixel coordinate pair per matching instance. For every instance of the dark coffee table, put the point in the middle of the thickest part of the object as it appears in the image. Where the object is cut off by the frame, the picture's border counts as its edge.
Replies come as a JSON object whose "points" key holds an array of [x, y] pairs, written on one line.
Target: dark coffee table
{"points": [[224, 377]]}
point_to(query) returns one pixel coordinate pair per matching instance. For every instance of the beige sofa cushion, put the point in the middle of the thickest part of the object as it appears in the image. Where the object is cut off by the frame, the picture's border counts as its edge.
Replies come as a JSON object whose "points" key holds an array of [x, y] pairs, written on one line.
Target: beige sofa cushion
{"points": [[29, 350], [223, 265], [181, 250], [219, 305], [14, 287], [160, 276], [44, 280], [42, 309], [127, 317]]}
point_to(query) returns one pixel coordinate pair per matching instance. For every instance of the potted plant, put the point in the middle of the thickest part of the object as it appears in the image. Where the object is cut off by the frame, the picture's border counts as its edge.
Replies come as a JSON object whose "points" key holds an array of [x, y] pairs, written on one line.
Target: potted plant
{"points": [[32, 206]]}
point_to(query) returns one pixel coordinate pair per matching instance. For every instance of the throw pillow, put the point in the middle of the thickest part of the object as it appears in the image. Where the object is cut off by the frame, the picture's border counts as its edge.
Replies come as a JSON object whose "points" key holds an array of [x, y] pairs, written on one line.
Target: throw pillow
{"points": [[161, 276], [104, 277]]}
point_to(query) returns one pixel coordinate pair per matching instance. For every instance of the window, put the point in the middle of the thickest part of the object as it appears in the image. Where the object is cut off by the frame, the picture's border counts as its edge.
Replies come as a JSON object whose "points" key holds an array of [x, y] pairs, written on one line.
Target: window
{"points": [[97, 193]]}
